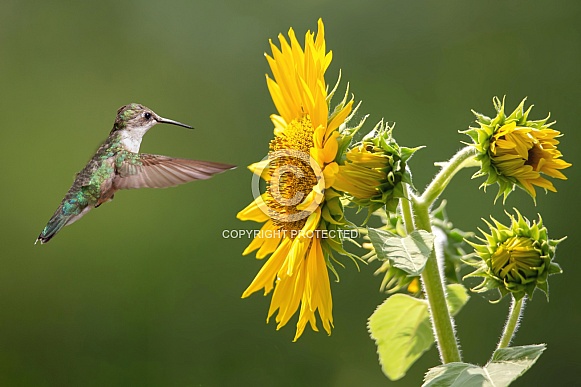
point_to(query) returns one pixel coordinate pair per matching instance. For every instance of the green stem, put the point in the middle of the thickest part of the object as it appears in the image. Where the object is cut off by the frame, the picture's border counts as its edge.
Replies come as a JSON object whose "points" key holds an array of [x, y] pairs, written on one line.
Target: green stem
{"points": [[406, 211], [434, 289], [516, 309], [442, 320], [464, 158]]}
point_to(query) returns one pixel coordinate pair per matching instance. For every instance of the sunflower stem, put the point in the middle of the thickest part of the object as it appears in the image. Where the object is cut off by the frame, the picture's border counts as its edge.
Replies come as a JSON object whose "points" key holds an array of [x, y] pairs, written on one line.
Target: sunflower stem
{"points": [[514, 315], [462, 159], [442, 321], [406, 210]]}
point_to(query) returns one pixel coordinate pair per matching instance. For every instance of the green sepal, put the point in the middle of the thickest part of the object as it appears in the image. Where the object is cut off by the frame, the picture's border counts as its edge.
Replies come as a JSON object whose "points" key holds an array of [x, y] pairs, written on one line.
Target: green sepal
{"points": [[554, 268], [332, 211], [334, 244]]}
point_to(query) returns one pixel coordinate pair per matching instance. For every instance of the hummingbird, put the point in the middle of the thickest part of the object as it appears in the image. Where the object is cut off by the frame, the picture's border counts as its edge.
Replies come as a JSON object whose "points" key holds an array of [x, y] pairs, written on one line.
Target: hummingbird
{"points": [[117, 164]]}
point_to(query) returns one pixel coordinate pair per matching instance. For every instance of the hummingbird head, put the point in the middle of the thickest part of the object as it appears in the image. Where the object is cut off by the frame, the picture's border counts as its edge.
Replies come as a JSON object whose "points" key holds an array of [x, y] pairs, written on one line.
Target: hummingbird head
{"points": [[139, 119], [134, 120]]}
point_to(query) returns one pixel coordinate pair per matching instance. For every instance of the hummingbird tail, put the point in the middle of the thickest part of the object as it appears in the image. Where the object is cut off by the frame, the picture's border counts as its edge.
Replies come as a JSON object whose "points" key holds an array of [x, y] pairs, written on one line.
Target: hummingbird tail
{"points": [[60, 219], [54, 225]]}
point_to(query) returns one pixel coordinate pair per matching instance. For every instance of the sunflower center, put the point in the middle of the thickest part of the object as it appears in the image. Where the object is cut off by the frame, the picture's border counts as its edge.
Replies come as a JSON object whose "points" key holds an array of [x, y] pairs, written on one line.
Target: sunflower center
{"points": [[535, 155], [292, 178]]}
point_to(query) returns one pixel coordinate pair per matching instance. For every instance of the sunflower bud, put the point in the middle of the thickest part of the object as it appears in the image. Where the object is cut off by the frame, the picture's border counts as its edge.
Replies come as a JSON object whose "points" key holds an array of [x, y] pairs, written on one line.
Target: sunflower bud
{"points": [[515, 151], [373, 171], [515, 259]]}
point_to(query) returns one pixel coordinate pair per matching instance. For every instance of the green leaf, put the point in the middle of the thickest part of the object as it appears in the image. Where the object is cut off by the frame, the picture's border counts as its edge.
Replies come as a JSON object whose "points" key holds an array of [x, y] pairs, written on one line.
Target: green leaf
{"points": [[457, 296], [506, 365], [408, 253], [402, 330], [457, 375]]}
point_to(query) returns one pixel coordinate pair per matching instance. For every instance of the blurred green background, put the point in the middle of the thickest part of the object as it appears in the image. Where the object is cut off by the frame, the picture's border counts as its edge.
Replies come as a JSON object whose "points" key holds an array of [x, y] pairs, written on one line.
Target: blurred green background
{"points": [[144, 290]]}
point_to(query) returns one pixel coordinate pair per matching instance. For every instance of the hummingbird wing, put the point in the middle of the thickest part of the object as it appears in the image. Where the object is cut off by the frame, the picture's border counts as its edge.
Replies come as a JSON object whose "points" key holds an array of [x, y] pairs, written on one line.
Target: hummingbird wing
{"points": [[155, 171]]}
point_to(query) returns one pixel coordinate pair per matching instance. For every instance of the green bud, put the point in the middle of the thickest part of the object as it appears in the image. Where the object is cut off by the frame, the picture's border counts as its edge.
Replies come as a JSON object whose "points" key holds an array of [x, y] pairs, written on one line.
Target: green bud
{"points": [[516, 259]]}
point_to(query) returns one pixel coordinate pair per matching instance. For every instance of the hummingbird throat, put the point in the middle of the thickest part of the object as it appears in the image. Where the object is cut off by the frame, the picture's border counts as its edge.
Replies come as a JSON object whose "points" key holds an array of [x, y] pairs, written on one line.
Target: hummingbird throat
{"points": [[131, 139]]}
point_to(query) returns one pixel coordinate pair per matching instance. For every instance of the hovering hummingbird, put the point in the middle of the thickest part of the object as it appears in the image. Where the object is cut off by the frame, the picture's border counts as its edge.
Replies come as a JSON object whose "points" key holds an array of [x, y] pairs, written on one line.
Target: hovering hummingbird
{"points": [[119, 165]]}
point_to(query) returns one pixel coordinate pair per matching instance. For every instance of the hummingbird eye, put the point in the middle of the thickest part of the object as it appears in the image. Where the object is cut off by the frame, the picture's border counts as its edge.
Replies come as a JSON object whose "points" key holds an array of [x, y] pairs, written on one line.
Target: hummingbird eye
{"points": [[147, 115]]}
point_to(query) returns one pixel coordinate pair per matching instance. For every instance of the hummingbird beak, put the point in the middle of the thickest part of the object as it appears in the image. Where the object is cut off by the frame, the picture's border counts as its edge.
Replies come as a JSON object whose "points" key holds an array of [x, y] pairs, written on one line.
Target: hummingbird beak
{"points": [[162, 120]]}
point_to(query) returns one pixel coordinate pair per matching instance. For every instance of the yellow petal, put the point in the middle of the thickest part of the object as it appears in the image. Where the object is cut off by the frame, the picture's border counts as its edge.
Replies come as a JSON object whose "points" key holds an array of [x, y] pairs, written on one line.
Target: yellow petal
{"points": [[256, 211], [287, 297], [312, 201], [266, 240], [316, 293], [329, 174], [339, 118], [295, 256], [267, 274], [279, 123], [261, 168], [331, 147], [278, 99]]}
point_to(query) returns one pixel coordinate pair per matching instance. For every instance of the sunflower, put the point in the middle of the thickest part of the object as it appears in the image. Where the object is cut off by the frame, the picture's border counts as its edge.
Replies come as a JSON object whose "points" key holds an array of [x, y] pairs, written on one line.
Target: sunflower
{"points": [[515, 151], [299, 207]]}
